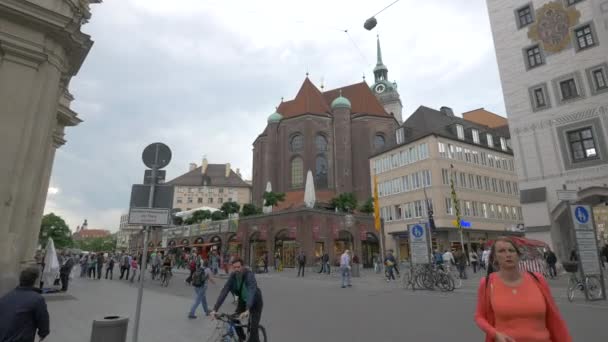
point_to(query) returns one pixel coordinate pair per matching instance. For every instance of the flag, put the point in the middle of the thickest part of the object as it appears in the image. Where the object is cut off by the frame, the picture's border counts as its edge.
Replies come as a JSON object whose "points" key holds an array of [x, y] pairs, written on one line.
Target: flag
{"points": [[376, 205]]}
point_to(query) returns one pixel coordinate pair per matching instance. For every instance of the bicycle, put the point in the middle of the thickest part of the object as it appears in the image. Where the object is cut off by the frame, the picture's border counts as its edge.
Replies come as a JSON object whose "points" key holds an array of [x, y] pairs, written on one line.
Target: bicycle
{"points": [[155, 272], [225, 331], [591, 284], [165, 276]]}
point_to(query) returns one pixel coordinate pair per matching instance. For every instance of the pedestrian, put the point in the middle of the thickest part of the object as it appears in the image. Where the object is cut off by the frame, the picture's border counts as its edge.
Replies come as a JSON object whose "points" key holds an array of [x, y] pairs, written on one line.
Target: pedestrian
{"points": [[134, 267], [192, 266], [605, 253], [551, 259], [23, 311], [277, 261], [389, 263], [396, 265], [265, 262], [92, 265], [573, 256], [514, 305], [100, 262], [474, 260], [125, 264], [301, 263], [485, 256], [324, 263], [110, 267], [438, 259], [448, 260], [83, 266], [461, 264], [345, 268], [65, 271], [200, 280], [250, 303]]}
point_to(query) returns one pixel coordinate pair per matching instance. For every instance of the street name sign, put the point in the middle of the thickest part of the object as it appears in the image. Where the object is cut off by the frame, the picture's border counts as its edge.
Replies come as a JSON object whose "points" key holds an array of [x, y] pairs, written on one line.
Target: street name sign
{"points": [[567, 195], [149, 216]]}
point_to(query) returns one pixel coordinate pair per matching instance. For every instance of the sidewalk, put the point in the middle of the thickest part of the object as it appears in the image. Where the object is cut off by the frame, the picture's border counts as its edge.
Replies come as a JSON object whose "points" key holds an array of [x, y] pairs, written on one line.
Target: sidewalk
{"points": [[164, 316]]}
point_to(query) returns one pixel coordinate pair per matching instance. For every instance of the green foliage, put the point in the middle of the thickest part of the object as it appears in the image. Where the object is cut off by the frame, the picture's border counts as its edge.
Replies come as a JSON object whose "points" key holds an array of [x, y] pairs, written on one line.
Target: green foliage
{"points": [[367, 207], [345, 202], [104, 244], [198, 217], [230, 208], [250, 210], [54, 226], [273, 198], [218, 216]]}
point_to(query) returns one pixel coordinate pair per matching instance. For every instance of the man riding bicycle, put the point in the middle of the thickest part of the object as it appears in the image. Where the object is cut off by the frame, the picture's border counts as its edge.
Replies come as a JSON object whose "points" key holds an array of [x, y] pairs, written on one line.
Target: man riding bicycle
{"points": [[242, 283]]}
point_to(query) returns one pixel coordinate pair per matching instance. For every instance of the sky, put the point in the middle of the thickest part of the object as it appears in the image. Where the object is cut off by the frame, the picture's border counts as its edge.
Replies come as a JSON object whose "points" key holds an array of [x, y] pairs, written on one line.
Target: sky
{"points": [[202, 76]]}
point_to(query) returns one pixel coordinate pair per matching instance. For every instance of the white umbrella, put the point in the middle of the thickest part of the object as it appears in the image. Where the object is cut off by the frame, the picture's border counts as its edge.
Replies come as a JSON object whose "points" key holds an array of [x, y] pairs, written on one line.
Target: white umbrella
{"points": [[51, 264], [267, 209], [309, 191]]}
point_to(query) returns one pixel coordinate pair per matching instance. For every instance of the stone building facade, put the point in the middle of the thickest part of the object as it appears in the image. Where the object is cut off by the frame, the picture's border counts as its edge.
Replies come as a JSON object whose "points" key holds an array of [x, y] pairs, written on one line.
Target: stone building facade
{"points": [[553, 62], [41, 48]]}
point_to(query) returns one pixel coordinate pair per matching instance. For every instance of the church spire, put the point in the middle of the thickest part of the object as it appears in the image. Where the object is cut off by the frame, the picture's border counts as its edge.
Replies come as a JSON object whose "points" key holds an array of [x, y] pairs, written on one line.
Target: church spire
{"points": [[379, 53], [380, 71]]}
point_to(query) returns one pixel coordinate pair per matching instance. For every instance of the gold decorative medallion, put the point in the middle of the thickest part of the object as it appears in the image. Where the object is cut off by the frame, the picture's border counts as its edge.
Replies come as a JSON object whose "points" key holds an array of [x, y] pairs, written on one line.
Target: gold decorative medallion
{"points": [[552, 26]]}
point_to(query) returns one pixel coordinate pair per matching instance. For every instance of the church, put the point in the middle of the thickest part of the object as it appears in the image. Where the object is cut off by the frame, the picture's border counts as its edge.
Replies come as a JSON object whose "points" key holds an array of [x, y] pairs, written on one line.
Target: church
{"points": [[331, 133]]}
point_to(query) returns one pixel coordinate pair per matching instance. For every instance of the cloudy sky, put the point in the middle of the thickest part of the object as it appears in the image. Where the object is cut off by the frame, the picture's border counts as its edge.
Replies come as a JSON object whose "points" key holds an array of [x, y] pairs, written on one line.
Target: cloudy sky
{"points": [[202, 76]]}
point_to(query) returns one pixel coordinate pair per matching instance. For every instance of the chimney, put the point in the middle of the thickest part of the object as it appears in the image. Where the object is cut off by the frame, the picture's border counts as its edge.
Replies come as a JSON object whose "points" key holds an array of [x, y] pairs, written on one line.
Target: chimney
{"points": [[238, 172], [447, 111], [204, 165], [227, 170], [192, 166]]}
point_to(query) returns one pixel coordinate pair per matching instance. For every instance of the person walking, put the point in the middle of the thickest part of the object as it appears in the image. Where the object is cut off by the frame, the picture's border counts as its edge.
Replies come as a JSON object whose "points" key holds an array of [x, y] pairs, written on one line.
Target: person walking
{"points": [[345, 268], [301, 263], [389, 263], [134, 267], [125, 264], [474, 260], [325, 263], [250, 303], [514, 305], [266, 262], [83, 266], [92, 262], [448, 260], [65, 271], [485, 256], [110, 267], [461, 263], [215, 262], [551, 259], [200, 280], [23, 311], [100, 262]]}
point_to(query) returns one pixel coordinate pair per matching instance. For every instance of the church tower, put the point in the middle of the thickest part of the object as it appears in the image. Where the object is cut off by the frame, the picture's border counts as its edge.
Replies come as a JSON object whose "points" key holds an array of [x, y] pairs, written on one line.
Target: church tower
{"points": [[386, 91]]}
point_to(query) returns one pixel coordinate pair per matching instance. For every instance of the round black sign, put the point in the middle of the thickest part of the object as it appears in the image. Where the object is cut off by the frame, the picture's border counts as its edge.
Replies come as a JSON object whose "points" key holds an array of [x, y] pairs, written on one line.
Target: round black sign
{"points": [[156, 156]]}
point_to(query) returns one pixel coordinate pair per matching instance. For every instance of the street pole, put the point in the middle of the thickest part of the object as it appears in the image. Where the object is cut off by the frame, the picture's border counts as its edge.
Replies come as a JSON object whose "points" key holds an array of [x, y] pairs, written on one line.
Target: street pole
{"points": [[457, 209], [142, 271]]}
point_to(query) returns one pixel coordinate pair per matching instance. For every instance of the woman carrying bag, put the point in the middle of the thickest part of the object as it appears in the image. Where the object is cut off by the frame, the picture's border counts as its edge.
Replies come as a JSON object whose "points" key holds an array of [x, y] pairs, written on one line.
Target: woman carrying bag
{"points": [[514, 305]]}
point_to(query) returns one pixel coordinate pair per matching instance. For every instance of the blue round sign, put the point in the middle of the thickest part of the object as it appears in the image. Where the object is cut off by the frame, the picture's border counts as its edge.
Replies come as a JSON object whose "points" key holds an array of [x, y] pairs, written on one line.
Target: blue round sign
{"points": [[417, 231], [581, 214]]}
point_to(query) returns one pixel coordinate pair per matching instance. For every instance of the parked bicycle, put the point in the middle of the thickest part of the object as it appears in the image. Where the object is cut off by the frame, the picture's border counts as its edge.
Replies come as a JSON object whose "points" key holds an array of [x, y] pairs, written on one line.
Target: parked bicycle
{"points": [[591, 284], [225, 331], [430, 276]]}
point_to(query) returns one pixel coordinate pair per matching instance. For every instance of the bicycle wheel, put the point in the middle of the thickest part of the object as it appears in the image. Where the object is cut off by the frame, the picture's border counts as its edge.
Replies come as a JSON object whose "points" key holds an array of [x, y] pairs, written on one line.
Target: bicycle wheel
{"points": [[457, 281], [572, 286], [262, 333], [443, 282], [594, 288], [428, 280]]}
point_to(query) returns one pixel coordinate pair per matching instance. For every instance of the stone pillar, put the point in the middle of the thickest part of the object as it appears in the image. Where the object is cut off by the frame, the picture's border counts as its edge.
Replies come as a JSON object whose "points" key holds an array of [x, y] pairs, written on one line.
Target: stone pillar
{"points": [[41, 48], [343, 152]]}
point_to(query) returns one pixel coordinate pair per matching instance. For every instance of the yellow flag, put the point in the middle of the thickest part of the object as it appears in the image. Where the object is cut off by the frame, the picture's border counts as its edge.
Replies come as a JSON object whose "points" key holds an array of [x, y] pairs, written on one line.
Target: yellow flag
{"points": [[376, 205]]}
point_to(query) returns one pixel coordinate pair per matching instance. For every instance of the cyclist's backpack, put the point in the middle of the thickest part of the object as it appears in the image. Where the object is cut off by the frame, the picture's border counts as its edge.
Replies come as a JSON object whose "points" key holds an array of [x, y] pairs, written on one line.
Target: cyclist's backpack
{"points": [[199, 277]]}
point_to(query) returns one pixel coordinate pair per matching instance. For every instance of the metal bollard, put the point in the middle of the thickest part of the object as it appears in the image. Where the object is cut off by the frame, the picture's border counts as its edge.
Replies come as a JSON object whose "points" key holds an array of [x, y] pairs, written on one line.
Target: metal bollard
{"points": [[110, 329]]}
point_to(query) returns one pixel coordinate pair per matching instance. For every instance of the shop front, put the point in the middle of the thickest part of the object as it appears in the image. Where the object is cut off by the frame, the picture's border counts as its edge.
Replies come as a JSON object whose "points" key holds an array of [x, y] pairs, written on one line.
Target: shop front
{"points": [[234, 246], [257, 247], [285, 247], [344, 241], [370, 248]]}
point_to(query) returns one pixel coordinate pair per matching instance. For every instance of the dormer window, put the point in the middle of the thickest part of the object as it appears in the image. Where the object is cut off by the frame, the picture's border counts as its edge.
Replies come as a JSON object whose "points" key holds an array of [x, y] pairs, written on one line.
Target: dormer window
{"points": [[475, 136], [490, 140], [503, 143], [460, 132], [400, 135]]}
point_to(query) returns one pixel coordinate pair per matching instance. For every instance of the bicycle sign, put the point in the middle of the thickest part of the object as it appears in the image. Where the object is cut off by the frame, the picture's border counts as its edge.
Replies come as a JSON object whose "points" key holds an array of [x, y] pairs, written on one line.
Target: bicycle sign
{"points": [[419, 244], [581, 214], [417, 231]]}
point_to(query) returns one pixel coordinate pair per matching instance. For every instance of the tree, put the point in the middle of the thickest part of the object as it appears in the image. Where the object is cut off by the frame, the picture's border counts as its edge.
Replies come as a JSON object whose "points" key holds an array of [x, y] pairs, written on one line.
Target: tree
{"points": [[250, 210], [273, 198], [230, 208], [54, 226], [367, 207], [101, 244], [345, 202], [198, 217], [218, 216]]}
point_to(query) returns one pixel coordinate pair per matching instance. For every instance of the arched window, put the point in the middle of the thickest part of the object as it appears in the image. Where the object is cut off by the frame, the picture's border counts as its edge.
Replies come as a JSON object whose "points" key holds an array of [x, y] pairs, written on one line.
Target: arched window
{"points": [[297, 172], [379, 142], [296, 144], [321, 172], [320, 143]]}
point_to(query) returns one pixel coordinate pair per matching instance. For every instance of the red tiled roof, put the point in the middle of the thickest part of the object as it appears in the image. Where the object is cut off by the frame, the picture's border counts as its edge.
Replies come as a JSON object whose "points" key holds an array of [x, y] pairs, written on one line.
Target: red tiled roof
{"points": [[295, 199], [310, 100]]}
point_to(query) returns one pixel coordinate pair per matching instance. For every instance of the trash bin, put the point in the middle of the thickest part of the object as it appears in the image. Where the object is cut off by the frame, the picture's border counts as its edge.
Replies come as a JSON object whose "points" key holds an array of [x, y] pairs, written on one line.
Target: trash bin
{"points": [[110, 329]]}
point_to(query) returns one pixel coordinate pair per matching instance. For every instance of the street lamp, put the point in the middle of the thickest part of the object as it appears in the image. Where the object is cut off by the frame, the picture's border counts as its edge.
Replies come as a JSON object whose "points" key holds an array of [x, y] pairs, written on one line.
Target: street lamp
{"points": [[372, 22]]}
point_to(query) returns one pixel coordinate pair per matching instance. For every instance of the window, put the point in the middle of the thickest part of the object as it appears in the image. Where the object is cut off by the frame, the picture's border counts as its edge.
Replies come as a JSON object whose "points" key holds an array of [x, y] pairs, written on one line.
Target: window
{"points": [[320, 143], [490, 140], [471, 181], [220, 200], [467, 155], [534, 57], [486, 183], [503, 143], [515, 188], [598, 79], [321, 170], [200, 200], [448, 206], [229, 199], [451, 151], [296, 144], [494, 185], [442, 150], [179, 201], [519, 214], [400, 136], [297, 172], [568, 89], [426, 178], [511, 165], [463, 180], [406, 183], [509, 188], [524, 16], [398, 215], [492, 211], [407, 208], [467, 208], [445, 177], [499, 212], [584, 37], [484, 160], [475, 209], [210, 200], [582, 145], [484, 209], [460, 132], [423, 151], [459, 153], [475, 157], [415, 181], [379, 142], [479, 183], [417, 208], [189, 199], [490, 160], [475, 136], [501, 186], [413, 154]]}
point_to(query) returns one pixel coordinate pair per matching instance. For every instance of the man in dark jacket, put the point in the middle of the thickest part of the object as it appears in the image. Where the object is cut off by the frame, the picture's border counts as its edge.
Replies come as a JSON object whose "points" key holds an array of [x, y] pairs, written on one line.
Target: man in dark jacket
{"points": [[65, 270], [325, 263], [100, 262], [551, 259], [301, 263], [242, 283], [23, 311]]}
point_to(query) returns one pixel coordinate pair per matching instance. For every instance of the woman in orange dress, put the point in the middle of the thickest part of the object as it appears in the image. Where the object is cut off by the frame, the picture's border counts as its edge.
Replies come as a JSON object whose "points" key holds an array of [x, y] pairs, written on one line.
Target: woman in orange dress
{"points": [[514, 305]]}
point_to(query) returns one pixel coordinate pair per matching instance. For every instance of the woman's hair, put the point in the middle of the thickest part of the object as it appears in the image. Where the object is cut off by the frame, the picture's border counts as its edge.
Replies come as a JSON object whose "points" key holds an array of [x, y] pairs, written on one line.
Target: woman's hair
{"points": [[492, 258]]}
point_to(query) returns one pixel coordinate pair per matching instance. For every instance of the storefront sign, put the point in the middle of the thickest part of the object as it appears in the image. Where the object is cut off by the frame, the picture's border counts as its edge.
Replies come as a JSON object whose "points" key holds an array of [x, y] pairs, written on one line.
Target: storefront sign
{"points": [[316, 232], [419, 244], [293, 232], [585, 239]]}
